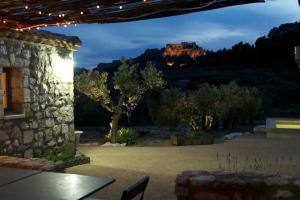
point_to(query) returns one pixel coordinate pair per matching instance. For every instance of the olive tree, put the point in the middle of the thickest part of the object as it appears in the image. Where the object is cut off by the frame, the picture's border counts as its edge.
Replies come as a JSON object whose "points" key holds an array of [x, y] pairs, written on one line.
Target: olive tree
{"points": [[124, 94], [211, 104], [166, 106]]}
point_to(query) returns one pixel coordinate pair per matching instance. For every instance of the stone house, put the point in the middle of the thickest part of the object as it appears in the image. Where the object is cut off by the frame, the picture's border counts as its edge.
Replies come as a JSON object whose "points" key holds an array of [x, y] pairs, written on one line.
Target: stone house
{"points": [[36, 91]]}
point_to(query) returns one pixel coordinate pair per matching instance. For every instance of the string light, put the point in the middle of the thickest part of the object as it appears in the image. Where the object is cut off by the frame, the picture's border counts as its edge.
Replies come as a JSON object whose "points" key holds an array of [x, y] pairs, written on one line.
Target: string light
{"points": [[98, 6], [40, 12]]}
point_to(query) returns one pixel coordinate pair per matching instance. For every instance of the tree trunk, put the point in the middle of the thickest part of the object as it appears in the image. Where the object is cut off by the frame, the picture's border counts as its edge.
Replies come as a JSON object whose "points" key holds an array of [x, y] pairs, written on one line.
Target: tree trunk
{"points": [[114, 125]]}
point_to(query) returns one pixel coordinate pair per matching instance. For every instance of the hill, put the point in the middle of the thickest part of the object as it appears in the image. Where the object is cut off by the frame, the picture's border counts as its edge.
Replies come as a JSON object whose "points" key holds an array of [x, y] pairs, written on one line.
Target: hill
{"points": [[269, 65]]}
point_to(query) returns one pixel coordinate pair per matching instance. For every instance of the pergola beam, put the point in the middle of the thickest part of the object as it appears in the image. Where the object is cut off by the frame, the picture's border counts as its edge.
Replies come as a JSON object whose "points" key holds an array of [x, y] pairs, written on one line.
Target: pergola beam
{"points": [[33, 13]]}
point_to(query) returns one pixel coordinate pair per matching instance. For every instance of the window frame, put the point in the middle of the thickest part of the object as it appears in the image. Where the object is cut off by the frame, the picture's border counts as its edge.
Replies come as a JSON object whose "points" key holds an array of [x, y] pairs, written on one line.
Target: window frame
{"points": [[9, 112]]}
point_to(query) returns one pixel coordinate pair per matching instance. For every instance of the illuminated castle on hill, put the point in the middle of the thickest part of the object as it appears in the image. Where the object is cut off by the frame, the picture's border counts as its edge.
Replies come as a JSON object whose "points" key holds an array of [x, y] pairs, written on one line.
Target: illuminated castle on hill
{"points": [[185, 48]]}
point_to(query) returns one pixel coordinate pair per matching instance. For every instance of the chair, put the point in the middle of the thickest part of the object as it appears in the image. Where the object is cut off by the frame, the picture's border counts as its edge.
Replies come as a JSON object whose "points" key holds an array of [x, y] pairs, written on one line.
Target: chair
{"points": [[136, 189]]}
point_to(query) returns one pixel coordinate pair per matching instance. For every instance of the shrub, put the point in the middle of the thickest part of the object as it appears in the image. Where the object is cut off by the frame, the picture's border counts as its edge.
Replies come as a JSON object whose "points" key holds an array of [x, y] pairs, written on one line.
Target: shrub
{"points": [[127, 135], [107, 137], [37, 153], [63, 153], [195, 133]]}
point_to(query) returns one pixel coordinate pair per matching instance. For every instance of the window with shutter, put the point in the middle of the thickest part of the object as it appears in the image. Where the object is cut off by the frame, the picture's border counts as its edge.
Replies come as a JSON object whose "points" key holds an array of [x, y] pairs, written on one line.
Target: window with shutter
{"points": [[12, 90]]}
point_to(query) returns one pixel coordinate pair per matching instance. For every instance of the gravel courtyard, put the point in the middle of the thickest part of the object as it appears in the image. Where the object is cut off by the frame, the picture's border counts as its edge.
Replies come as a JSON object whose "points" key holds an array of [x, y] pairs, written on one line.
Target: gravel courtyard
{"points": [[163, 163]]}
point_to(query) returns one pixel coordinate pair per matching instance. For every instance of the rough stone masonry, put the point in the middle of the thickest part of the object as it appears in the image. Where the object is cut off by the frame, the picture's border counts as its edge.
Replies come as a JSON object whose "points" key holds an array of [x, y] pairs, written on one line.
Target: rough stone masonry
{"points": [[41, 98]]}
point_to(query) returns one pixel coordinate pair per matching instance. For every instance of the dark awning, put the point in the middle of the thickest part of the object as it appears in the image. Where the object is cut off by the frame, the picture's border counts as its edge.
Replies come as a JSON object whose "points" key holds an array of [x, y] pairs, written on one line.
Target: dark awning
{"points": [[22, 14]]}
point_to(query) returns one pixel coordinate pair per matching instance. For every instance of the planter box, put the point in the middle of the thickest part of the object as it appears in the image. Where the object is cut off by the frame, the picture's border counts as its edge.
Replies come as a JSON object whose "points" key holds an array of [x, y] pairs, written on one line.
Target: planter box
{"points": [[181, 140]]}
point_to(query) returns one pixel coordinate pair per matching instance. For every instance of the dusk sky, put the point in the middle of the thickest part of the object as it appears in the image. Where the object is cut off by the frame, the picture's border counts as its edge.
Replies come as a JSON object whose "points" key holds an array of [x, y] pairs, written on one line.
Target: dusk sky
{"points": [[211, 30]]}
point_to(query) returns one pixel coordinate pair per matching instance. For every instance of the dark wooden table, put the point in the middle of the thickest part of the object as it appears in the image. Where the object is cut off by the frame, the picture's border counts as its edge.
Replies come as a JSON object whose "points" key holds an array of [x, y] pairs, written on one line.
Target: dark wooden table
{"points": [[10, 175], [52, 186]]}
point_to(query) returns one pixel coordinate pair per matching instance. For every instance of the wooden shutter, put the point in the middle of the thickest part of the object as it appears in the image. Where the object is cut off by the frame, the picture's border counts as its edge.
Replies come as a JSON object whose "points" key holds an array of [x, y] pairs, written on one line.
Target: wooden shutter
{"points": [[4, 90]]}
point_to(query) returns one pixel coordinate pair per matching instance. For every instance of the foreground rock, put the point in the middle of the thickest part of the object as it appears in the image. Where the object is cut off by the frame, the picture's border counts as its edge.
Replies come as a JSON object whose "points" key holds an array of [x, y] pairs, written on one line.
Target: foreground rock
{"points": [[202, 185]]}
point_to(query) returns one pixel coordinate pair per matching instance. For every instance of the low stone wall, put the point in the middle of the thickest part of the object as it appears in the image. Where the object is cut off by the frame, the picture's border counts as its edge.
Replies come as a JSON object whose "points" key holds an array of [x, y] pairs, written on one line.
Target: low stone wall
{"points": [[42, 164], [202, 185]]}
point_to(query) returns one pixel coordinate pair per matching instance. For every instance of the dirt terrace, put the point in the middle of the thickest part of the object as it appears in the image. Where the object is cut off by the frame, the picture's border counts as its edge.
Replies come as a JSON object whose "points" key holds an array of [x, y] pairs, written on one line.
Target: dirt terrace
{"points": [[162, 164]]}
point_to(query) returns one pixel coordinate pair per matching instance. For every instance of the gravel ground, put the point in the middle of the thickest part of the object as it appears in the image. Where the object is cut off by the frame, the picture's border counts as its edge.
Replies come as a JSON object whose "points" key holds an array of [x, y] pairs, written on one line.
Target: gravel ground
{"points": [[163, 163]]}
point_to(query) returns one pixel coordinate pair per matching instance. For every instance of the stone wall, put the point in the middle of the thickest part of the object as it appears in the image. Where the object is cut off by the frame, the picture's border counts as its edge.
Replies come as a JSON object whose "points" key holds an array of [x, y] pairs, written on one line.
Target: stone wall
{"points": [[47, 117], [201, 185]]}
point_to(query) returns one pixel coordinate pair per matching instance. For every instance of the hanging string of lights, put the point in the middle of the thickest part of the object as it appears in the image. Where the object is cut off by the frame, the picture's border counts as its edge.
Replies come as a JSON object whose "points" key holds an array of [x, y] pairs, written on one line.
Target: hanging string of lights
{"points": [[25, 15], [64, 22]]}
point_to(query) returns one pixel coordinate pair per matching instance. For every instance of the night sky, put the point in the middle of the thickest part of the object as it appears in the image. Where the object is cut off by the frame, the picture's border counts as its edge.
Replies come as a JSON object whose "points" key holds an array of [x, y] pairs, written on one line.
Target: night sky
{"points": [[211, 30]]}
